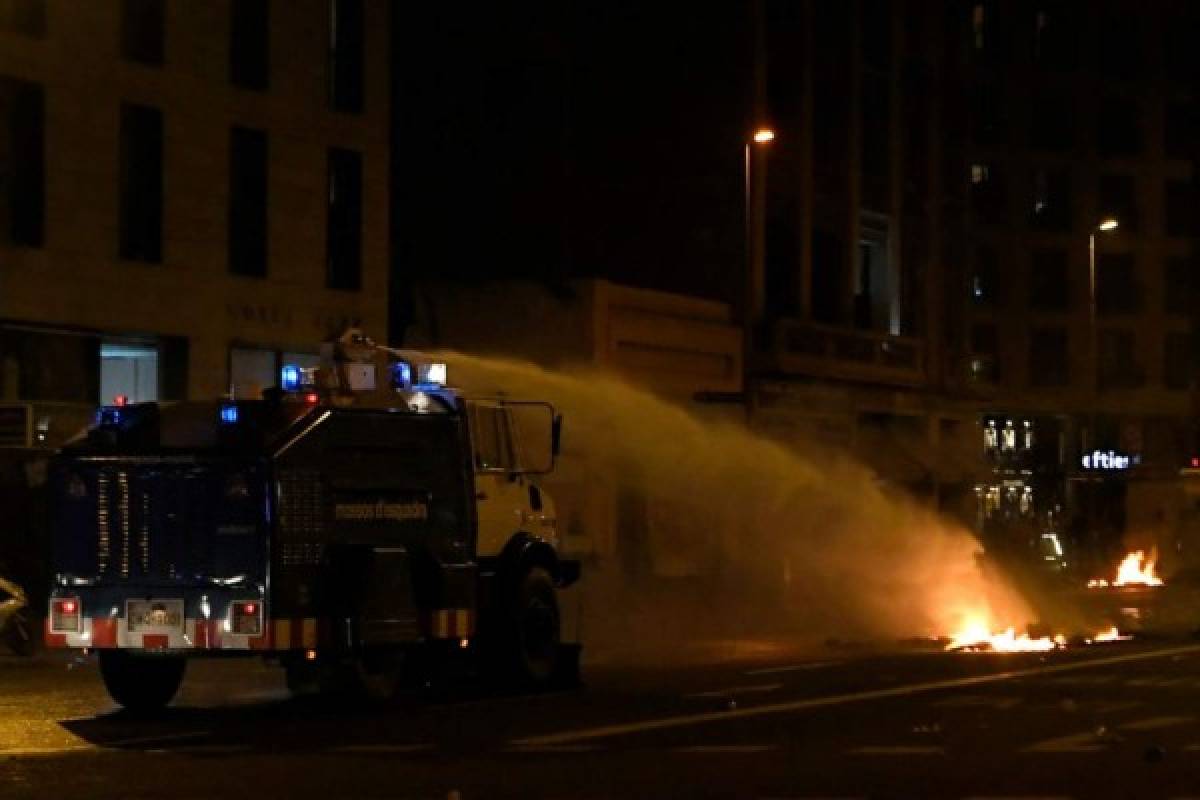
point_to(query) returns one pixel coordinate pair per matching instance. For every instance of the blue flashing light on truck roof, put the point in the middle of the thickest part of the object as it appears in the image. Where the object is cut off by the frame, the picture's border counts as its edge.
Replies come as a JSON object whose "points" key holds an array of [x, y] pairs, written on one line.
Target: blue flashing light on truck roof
{"points": [[289, 378]]}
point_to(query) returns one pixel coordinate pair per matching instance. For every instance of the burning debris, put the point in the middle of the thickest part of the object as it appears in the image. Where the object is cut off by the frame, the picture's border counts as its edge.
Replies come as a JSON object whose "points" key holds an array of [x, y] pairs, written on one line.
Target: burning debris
{"points": [[977, 637], [1136, 569]]}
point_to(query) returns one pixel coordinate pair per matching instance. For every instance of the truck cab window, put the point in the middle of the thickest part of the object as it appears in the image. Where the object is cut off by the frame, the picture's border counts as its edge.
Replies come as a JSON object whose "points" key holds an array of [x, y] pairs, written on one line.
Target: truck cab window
{"points": [[493, 446]]}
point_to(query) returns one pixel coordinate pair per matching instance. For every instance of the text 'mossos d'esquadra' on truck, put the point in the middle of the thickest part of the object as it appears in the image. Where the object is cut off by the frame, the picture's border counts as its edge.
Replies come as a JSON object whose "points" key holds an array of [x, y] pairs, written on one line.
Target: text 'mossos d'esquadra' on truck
{"points": [[364, 524]]}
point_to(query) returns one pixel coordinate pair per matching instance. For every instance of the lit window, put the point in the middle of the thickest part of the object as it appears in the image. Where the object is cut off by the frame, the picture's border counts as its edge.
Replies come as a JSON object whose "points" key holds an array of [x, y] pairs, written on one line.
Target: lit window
{"points": [[977, 19], [979, 173]]}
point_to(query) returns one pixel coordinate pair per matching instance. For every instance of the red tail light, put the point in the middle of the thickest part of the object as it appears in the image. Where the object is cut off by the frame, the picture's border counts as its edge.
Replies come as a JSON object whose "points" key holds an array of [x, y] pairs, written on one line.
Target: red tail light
{"points": [[64, 615]]}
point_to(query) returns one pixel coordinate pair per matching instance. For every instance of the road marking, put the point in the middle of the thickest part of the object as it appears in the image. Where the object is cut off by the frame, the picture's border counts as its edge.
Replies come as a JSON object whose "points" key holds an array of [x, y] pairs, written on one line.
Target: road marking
{"points": [[700, 718], [724, 748], [898, 750], [561, 748], [1075, 743], [381, 749], [791, 668], [765, 687], [1155, 723]]}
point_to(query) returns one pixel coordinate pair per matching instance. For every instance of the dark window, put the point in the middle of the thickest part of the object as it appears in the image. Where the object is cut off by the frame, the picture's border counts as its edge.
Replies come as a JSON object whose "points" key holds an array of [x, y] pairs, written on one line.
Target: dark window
{"points": [[1178, 285], [344, 220], [985, 361], [1120, 127], [1180, 209], [1118, 198], [1121, 53], [1180, 130], [1117, 288], [785, 65], [1182, 55], [876, 129], [143, 29], [27, 17], [346, 31], [1052, 122], [986, 289], [22, 162], [989, 199], [1050, 208], [1055, 36], [1177, 360], [1119, 367], [249, 44], [1049, 362], [989, 37], [989, 118], [876, 20], [828, 275], [141, 183], [1049, 281], [248, 202]]}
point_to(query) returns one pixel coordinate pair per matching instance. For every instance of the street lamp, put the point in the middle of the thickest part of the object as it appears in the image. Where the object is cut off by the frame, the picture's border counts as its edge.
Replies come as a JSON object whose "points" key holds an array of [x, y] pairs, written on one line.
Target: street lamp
{"points": [[1105, 225], [755, 209]]}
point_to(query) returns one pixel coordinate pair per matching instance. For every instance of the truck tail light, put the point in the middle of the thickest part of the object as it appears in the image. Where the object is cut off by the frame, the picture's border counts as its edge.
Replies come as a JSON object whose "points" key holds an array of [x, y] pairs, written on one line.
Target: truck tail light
{"points": [[246, 617], [64, 615]]}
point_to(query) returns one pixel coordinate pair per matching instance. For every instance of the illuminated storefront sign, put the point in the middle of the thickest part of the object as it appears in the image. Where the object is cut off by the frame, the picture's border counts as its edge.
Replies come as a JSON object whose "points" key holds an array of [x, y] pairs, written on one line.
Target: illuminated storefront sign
{"points": [[1109, 460]]}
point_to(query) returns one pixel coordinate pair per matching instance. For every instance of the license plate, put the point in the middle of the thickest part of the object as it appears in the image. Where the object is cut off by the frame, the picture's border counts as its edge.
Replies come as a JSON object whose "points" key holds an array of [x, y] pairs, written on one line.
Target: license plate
{"points": [[154, 616]]}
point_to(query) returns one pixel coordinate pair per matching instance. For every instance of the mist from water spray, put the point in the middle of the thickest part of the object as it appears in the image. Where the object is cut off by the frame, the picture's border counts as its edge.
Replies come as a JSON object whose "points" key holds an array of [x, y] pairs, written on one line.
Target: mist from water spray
{"points": [[806, 533]]}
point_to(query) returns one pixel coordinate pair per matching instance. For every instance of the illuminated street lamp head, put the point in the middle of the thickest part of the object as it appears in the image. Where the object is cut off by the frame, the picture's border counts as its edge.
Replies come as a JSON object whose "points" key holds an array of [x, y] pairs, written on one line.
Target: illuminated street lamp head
{"points": [[763, 135], [1108, 224]]}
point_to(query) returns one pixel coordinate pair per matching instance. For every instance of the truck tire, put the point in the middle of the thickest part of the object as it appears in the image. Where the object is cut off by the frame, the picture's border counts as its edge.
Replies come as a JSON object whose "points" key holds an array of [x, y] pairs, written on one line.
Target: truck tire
{"points": [[534, 630], [141, 684]]}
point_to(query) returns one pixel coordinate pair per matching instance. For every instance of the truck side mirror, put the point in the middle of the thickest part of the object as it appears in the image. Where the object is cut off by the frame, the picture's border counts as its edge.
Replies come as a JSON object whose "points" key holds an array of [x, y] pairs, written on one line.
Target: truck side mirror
{"points": [[556, 436]]}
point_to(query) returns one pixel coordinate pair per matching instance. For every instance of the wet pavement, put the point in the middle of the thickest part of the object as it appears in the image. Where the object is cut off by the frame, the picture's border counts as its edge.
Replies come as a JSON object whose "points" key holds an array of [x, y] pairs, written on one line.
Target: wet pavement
{"points": [[1119, 720]]}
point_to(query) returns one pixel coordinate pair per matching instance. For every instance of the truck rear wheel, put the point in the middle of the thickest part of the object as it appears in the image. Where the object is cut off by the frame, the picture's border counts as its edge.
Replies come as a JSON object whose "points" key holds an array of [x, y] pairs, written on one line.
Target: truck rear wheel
{"points": [[534, 629], [141, 684]]}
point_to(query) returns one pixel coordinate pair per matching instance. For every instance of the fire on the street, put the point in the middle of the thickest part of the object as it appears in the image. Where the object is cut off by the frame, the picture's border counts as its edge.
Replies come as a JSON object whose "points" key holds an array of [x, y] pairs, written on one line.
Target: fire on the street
{"points": [[976, 637], [1136, 569]]}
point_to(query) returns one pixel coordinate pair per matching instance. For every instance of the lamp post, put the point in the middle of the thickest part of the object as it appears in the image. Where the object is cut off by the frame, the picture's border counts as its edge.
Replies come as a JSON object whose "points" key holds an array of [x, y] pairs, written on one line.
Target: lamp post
{"points": [[754, 208], [1106, 225]]}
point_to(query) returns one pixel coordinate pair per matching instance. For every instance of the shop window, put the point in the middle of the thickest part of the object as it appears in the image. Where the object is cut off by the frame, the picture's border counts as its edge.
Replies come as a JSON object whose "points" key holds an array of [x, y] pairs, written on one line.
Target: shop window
{"points": [[129, 371]]}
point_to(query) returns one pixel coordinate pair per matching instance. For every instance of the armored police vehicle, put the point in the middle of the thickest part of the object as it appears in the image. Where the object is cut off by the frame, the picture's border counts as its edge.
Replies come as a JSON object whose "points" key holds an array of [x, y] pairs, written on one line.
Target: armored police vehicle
{"points": [[363, 522]]}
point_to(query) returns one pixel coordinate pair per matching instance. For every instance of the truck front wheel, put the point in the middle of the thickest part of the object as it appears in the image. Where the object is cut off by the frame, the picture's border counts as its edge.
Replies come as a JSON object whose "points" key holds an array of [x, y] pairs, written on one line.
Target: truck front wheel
{"points": [[141, 683], [534, 629]]}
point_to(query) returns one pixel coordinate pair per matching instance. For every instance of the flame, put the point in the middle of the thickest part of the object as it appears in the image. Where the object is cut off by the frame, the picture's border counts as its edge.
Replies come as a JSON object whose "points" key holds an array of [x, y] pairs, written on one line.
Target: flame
{"points": [[976, 635], [1110, 635], [1136, 569]]}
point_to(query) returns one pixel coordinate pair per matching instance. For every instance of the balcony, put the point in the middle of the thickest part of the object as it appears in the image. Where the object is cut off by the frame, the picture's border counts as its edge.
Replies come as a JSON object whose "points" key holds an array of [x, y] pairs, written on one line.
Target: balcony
{"points": [[806, 348]]}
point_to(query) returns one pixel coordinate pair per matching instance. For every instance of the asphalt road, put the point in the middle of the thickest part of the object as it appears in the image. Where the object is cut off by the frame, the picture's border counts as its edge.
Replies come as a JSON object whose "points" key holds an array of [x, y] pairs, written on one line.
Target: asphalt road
{"points": [[1119, 720]]}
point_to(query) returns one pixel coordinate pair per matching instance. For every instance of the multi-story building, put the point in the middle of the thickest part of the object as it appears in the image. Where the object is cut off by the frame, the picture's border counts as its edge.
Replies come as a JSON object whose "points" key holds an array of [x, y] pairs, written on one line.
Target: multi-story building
{"points": [[189, 193], [920, 283]]}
